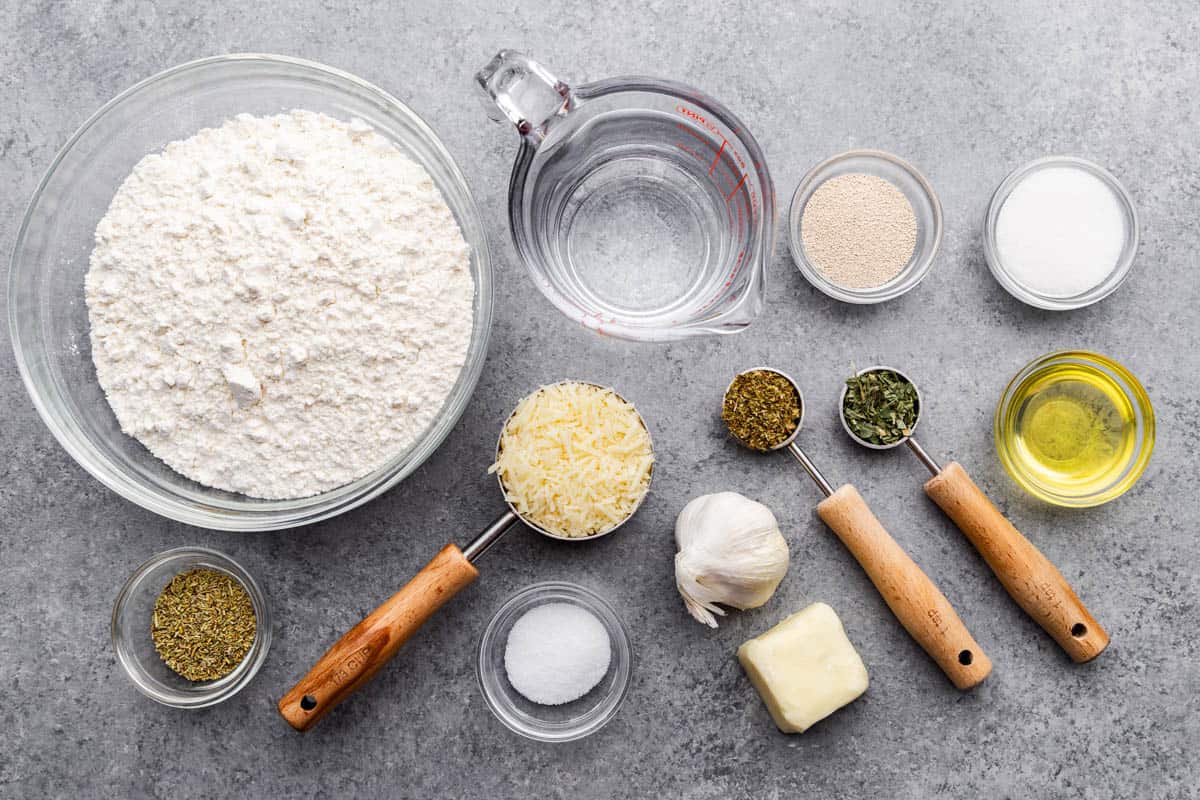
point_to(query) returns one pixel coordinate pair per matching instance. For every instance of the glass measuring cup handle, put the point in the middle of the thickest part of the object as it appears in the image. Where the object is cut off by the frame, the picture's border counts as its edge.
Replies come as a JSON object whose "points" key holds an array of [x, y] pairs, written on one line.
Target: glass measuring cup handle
{"points": [[519, 89]]}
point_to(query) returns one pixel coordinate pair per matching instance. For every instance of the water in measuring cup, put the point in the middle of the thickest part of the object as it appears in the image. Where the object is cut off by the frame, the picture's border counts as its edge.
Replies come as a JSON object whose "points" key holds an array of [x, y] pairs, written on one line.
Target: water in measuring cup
{"points": [[640, 218]]}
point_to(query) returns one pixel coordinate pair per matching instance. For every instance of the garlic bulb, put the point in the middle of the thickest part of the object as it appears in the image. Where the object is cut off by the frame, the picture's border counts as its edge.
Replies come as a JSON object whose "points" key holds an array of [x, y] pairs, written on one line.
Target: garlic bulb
{"points": [[730, 552]]}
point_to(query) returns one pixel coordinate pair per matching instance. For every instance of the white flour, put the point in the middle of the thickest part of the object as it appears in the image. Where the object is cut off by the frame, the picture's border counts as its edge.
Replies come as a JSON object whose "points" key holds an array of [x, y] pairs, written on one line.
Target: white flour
{"points": [[279, 305]]}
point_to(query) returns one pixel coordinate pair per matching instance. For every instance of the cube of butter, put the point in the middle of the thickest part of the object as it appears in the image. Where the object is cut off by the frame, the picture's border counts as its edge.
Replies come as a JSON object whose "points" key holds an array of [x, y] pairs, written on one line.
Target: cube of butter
{"points": [[804, 668]]}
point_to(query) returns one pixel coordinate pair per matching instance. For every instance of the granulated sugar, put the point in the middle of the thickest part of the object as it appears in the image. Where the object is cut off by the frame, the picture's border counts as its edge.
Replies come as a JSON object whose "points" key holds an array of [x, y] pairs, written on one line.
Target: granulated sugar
{"points": [[1060, 232], [858, 230], [557, 653]]}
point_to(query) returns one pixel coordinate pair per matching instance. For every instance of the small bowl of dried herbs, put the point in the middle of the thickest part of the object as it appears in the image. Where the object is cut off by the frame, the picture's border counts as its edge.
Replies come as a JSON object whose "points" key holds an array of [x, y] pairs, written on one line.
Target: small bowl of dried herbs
{"points": [[191, 627]]}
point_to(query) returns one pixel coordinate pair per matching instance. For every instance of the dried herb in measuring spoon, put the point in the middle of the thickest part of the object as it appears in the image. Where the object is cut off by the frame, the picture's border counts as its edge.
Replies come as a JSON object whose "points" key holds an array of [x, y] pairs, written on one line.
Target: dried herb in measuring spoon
{"points": [[761, 409], [203, 624], [880, 406]]}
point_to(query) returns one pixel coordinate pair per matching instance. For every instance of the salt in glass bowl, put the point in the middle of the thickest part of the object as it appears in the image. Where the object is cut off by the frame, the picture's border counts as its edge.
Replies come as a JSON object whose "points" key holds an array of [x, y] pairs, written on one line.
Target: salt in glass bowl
{"points": [[135, 648], [1117, 377], [916, 189], [569, 721], [48, 318], [1030, 296]]}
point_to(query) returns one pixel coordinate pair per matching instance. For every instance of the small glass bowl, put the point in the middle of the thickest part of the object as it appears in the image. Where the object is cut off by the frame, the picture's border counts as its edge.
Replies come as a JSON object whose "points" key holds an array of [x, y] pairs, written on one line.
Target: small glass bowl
{"points": [[569, 721], [916, 189], [135, 649], [1048, 302], [1118, 378]]}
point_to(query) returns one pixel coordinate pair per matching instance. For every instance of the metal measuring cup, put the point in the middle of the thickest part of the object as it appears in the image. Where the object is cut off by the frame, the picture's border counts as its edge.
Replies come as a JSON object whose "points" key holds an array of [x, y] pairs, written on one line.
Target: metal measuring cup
{"points": [[915, 600], [370, 644], [1029, 577]]}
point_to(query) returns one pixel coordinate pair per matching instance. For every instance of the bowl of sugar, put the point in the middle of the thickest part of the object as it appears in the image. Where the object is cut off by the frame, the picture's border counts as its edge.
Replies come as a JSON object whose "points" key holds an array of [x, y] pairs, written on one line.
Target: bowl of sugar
{"points": [[1060, 233], [555, 662]]}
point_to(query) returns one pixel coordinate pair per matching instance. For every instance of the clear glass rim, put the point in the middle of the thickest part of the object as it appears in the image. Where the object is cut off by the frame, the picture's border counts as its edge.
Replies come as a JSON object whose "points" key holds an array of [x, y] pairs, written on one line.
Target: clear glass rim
{"points": [[1110, 284], [609, 705], [909, 278], [252, 514], [207, 694], [750, 304], [1120, 377]]}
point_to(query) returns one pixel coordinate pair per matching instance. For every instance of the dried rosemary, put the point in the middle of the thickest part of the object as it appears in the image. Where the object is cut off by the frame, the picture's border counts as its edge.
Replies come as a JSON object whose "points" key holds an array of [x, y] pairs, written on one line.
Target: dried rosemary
{"points": [[203, 624], [880, 406], [761, 409]]}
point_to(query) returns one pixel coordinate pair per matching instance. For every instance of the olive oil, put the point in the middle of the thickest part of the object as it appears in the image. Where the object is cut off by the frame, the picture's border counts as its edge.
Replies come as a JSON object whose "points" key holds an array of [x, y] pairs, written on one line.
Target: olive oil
{"points": [[1071, 430]]}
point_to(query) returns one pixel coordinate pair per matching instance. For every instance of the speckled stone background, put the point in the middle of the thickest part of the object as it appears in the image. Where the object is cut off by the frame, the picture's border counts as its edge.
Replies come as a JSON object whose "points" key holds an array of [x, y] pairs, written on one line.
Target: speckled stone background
{"points": [[965, 93]]}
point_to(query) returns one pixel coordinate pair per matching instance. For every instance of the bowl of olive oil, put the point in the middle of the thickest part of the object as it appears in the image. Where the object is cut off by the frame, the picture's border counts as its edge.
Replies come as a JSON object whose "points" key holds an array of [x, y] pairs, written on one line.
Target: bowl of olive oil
{"points": [[1075, 428]]}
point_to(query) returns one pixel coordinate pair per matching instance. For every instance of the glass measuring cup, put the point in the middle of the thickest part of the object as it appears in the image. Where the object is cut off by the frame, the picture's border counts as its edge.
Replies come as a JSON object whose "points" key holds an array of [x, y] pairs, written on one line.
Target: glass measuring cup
{"points": [[642, 208]]}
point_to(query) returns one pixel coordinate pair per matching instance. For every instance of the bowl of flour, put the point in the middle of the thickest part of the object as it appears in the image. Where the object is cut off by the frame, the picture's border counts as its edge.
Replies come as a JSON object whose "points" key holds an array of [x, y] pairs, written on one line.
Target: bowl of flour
{"points": [[251, 293]]}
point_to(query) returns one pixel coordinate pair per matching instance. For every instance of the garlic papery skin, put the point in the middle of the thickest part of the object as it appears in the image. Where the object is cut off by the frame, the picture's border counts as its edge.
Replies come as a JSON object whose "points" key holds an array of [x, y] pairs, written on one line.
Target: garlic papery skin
{"points": [[730, 552]]}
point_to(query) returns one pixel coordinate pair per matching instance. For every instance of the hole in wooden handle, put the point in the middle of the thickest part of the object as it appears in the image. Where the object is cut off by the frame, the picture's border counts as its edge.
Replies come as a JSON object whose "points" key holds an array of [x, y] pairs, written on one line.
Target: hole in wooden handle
{"points": [[308, 702], [1078, 630], [965, 658]]}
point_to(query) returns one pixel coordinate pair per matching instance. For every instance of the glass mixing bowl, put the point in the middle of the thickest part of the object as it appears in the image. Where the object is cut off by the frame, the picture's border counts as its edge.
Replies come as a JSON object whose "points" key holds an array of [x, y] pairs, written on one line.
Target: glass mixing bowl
{"points": [[48, 319]]}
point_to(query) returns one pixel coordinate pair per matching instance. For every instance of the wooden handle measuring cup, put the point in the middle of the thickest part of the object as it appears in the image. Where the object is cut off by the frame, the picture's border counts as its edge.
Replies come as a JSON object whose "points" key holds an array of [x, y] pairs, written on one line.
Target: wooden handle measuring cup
{"points": [[1028, 576], [371, 643], [358, 655], [919, 605]]}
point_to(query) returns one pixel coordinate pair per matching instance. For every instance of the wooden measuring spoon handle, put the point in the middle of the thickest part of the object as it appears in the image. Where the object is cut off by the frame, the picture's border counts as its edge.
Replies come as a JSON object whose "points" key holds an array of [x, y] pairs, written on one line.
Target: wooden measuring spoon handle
{"points": [[919, 605], [360, 653], [1032, 580]]}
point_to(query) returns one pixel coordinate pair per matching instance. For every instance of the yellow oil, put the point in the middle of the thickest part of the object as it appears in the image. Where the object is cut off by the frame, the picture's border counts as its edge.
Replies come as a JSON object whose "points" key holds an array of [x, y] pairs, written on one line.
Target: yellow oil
{"points": [[1072, 430]]}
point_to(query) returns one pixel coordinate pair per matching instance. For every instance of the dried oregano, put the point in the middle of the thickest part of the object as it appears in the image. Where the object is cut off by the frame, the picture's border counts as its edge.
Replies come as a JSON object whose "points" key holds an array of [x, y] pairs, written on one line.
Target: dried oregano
{"points": [[761, 409]]}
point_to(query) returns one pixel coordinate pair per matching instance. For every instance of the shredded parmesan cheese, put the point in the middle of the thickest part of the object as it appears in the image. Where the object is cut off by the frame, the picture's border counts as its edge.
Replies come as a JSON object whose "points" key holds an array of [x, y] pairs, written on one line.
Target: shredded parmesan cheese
{"points": [[575, 459]]}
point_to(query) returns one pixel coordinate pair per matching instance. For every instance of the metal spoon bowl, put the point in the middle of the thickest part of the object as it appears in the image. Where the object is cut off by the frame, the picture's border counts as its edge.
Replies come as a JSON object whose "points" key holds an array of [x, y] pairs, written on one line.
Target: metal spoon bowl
{"points": [[919, 451], [500, 525], [790, 442], [799, 398]]}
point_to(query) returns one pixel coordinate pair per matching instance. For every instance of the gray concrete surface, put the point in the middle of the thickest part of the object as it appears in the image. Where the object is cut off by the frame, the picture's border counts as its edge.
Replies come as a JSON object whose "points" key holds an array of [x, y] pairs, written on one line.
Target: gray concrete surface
{"points": [[965, 93]]}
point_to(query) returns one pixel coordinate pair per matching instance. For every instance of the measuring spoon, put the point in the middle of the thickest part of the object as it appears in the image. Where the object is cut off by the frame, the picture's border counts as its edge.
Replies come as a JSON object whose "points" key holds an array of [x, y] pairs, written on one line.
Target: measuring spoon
{"points": [[917, 603], [370, 644], [1029, 577]]}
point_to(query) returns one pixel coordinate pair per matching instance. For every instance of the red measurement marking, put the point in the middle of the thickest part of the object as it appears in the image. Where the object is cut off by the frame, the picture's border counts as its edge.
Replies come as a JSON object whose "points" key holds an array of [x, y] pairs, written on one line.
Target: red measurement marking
{"points": [[729, 196], [698, 118], [726, 153], [717, 160]]}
